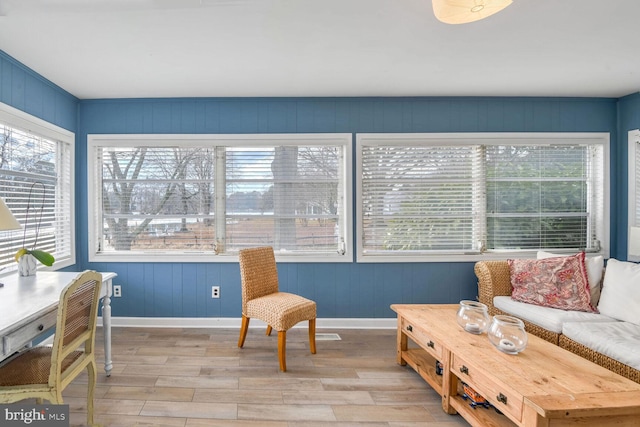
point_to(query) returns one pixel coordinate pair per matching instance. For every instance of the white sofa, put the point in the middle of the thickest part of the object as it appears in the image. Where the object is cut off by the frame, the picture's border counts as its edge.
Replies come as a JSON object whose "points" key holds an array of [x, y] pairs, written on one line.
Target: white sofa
{"points": [[610, 337]]}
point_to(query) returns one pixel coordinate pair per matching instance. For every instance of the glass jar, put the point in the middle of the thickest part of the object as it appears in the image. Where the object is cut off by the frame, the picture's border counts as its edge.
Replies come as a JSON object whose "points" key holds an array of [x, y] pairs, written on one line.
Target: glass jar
{"points": [[507, 334], [473, 316]]}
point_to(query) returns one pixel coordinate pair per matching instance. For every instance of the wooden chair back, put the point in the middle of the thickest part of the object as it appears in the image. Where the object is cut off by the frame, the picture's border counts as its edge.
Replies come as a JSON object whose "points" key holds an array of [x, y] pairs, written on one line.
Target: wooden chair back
{"points": [[75, 327]]}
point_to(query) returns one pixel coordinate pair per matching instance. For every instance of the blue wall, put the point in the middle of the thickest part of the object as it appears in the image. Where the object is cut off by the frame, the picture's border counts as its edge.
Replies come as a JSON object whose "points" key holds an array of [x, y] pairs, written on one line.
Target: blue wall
{"points": [[25, 90], [340, 289]]}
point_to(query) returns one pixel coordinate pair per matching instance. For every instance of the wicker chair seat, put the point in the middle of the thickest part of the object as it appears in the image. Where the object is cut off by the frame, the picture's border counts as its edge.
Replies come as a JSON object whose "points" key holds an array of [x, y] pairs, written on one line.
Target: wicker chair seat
{"points": [[281, 310], [33, 367]]}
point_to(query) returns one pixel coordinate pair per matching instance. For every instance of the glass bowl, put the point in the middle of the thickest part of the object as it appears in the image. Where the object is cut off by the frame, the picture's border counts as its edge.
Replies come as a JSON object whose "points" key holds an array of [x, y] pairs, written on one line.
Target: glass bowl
{"points": [[473, 317], [507, 334]]}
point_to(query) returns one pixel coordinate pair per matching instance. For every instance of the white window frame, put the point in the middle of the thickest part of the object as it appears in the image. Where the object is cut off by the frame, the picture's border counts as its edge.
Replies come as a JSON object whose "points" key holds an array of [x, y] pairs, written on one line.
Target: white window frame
{"points": [[94, 142], [18, 119], [520, 138], [632, 199]]}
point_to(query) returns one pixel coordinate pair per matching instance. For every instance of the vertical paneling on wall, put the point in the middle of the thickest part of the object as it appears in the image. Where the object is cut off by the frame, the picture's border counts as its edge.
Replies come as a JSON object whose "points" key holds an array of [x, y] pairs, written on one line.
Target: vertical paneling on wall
{"points": [[341, 290], [25, 90]]}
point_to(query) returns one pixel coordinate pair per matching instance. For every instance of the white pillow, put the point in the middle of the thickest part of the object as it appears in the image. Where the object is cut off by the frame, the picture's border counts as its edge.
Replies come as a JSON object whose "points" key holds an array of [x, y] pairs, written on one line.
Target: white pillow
{"points": [[620, 297], [594, 266]]}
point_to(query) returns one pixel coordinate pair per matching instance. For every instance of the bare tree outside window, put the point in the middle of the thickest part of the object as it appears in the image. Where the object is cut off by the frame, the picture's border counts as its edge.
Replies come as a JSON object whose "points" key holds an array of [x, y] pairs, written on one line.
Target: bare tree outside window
{"points": [[173, 198]]}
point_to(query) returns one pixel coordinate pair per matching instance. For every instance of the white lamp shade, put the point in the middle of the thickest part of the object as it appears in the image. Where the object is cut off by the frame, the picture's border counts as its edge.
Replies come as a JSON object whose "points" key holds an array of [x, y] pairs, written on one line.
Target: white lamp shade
{"points": [[464, 11], [7, 220]]}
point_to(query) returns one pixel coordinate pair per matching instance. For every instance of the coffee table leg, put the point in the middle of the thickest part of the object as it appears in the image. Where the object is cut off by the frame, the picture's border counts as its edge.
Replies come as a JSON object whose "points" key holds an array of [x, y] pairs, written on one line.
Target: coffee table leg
{"points": [[449, 383], [530, 417], [401, 343]]}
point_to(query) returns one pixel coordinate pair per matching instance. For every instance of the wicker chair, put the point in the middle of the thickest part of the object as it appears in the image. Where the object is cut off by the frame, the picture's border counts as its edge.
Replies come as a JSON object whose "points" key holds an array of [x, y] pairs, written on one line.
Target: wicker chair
{"points": [[44, 372], [262, 300]]}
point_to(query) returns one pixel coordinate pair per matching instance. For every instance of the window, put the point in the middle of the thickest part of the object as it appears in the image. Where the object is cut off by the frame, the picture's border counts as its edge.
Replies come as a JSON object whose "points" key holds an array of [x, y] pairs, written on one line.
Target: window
{"points": [[36, 157], [634, 195], [434, 197], [200, 197]]}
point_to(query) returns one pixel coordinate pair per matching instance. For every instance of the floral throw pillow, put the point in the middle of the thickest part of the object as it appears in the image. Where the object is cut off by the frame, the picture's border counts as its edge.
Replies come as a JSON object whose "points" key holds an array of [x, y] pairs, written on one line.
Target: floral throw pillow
{"points": [[595, 273], [552, 282]]}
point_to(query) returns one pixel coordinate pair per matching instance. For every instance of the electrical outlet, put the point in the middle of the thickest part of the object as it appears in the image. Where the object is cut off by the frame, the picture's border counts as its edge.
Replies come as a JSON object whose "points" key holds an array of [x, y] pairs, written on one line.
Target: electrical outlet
{"points": [[117, 291], [215, 292]]}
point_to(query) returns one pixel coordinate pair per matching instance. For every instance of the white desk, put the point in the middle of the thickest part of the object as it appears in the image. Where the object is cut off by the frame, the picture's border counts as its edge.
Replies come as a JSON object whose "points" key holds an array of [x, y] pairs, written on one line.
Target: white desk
{"points": [[28, 307]]}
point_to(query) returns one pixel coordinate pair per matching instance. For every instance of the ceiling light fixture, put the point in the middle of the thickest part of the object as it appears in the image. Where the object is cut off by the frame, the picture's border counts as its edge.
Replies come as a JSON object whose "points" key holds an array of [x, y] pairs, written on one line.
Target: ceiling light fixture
{"points": [[464, 11]]}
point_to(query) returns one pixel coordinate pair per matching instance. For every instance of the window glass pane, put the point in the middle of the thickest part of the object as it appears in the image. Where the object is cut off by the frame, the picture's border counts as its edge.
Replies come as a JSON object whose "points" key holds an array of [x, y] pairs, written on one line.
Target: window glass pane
{"points": [[418, 198], [536, 233], [435, 195], [220, 196], [636, 174], [284, 196], [35, 182], [157, 198], [537, 197]]}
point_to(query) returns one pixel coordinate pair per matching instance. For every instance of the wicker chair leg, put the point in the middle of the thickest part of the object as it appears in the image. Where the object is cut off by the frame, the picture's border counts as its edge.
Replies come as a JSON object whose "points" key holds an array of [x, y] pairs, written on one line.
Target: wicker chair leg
{"points": [[269, 329], [282, 344], [312, 335], [243, 330]]}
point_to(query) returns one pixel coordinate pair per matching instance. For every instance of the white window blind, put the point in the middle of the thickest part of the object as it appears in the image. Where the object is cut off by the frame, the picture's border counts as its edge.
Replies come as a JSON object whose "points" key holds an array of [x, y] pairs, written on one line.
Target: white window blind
{"points": [[543, 196], [156, 198], [196, 196], [437, 196], [293, 192], [633, 235], [36, 182], [418, 198], [636, 174]]}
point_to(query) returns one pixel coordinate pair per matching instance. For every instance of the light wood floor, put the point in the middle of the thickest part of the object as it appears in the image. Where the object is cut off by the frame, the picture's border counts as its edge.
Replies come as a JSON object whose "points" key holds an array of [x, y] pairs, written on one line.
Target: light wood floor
{"points": [[199, 377]]}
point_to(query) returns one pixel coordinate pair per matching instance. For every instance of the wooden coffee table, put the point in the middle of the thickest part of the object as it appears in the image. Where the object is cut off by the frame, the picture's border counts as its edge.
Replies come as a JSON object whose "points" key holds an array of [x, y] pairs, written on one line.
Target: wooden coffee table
{"points": [[544, 385]]}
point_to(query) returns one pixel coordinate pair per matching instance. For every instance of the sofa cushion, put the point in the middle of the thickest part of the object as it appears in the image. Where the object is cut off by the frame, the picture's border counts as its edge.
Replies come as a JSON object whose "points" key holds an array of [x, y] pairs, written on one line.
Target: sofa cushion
{"points": [[595, 270], [618, 340], [620, 296], [548, 318], [551, 282]]}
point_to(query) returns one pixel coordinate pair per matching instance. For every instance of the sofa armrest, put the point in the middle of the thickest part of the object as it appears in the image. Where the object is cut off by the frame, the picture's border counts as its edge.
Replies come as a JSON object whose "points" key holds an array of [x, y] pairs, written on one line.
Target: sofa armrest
{"points": [[494, 279]]}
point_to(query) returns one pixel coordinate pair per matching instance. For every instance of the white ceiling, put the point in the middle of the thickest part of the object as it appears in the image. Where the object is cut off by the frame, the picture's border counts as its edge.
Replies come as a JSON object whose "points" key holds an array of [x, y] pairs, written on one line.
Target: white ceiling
{"points": [[239, 48]]}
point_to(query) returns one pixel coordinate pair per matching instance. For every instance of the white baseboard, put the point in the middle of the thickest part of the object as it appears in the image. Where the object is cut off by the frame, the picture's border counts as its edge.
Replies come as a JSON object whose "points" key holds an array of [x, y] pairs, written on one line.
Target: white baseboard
{"points": [[234, 323]]}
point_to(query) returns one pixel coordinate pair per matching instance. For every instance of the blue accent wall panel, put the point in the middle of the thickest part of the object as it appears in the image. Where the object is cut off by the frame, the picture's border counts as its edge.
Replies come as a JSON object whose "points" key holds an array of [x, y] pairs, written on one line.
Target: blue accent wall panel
{"points": [[27, 91], [341, 290], [185, 286], [344, 289]]}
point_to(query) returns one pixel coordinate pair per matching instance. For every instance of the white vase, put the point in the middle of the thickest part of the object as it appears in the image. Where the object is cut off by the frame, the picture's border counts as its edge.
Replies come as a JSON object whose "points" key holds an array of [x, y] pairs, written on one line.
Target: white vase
{"points": [[27, 265]]}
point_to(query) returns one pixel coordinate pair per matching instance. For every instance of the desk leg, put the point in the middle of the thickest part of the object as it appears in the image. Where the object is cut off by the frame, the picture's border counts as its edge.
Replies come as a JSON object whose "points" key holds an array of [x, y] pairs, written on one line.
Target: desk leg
{"points": [[106, 328]]}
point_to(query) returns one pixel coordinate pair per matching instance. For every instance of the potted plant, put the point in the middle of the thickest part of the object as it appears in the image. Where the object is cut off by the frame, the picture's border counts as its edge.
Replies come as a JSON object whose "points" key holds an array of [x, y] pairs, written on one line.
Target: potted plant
{"points": [[26, 258]]}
